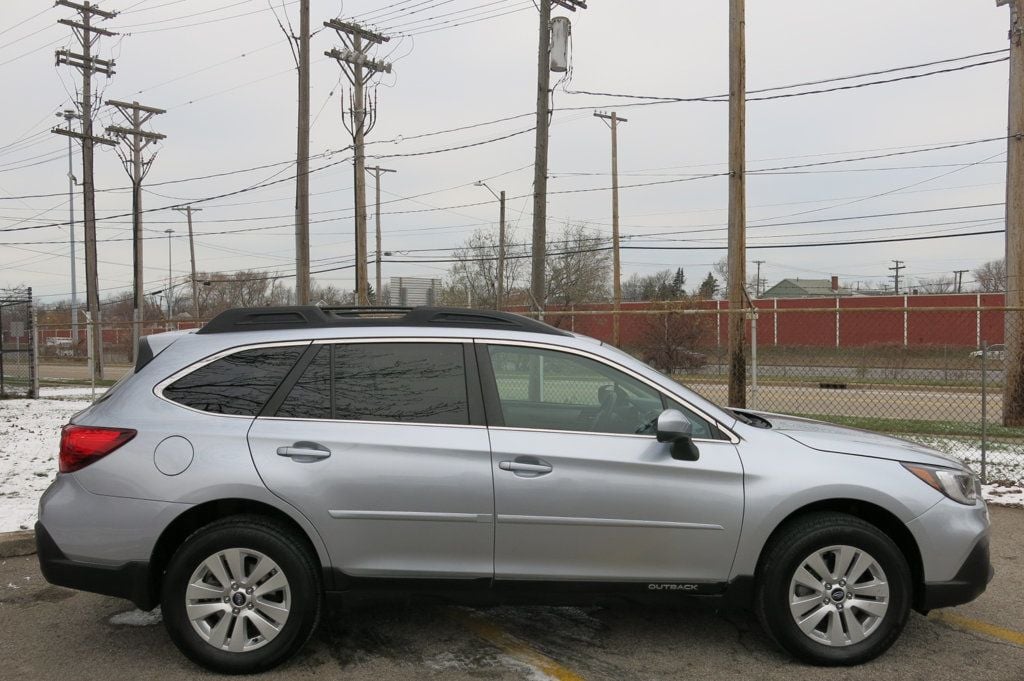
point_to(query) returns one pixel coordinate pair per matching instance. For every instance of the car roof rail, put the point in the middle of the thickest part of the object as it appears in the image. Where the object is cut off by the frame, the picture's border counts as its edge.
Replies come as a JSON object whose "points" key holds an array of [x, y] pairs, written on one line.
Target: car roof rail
{"points": [[313, 317]]}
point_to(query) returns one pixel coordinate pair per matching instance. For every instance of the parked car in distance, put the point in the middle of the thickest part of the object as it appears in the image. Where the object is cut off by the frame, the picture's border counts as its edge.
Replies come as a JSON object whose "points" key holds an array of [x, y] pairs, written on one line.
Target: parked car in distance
{"points": [[276, 455], [996, 352], [60, 347]]}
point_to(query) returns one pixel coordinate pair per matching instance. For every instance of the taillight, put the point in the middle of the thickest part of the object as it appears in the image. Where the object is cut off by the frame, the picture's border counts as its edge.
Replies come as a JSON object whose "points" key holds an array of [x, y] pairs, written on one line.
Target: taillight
{"points": [[82, 445]]}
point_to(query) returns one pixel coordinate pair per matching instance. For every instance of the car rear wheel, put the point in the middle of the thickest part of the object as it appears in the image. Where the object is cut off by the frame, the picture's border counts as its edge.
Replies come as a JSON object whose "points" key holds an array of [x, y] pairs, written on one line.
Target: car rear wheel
{"points": [[241, 595], [833, 590]]}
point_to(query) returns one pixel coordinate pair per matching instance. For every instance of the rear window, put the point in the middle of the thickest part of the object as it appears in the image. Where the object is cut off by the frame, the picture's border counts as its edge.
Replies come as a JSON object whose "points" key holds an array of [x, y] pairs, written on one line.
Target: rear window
{"points": [[239, 384]]}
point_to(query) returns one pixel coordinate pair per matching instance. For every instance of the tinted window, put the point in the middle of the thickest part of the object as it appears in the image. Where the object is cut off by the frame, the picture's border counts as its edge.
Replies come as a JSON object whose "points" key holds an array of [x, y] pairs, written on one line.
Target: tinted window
{"points": [[311, 396], [238, 384], [408, 382]]}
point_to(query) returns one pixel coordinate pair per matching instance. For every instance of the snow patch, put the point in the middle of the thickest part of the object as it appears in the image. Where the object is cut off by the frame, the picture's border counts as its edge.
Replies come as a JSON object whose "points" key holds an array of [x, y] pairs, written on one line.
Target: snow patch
{"points": [[29, 442], [137, 618], [65, 392], [1001, 494]]}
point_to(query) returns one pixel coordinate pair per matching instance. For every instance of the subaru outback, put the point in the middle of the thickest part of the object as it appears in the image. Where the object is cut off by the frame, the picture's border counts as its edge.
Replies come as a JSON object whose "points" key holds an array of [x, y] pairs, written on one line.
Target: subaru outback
{"points": [[246, 470]]}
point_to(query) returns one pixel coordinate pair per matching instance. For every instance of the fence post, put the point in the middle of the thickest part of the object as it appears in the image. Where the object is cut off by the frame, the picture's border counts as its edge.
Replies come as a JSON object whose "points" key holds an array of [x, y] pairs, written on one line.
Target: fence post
{"points": [[3, 391], [984, 408], [33, 322], [89, 331], [752, 316]]}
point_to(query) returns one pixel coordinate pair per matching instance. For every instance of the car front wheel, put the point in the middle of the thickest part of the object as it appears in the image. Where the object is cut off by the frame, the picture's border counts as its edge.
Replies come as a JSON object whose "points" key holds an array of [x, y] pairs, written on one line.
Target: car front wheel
{"points": [[241, 595], [833, 590]]}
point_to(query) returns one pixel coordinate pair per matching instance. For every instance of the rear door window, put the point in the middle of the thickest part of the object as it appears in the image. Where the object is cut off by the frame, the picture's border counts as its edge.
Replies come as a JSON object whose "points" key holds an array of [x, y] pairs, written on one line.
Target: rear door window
{"points": [[239, 384], [403, 382]]}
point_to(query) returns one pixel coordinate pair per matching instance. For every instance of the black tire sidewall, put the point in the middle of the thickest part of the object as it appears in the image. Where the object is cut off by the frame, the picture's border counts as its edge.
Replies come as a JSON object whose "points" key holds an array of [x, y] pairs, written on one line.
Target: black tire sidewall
{"points": [[290, 558], [773, 600]]}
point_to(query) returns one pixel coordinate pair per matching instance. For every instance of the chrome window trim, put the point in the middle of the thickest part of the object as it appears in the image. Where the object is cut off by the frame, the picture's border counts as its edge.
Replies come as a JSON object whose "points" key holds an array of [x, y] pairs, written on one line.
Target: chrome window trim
{"points": [[516, 429], [378, 423], [730, 435], [158, 389]]}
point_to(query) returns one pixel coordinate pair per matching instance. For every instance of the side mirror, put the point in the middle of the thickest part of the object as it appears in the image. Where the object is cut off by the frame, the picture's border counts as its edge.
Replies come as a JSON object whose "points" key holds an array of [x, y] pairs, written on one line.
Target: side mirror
{"points": [[676, 429]]}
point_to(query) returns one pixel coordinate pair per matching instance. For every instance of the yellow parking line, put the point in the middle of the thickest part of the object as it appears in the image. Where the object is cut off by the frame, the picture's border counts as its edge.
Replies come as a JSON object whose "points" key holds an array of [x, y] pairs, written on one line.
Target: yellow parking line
{"points": [[513, 646], [993, 630]]}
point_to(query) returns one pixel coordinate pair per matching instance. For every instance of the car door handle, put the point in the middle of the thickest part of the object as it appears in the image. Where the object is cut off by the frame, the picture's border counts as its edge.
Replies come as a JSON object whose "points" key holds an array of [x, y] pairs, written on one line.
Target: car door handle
{"points": [[304, 451], [521, 467]]}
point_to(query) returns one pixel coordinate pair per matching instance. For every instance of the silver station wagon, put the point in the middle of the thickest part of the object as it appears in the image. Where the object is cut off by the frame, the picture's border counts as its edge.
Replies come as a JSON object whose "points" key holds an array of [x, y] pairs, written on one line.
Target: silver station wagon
{"points": [[245, 471]]}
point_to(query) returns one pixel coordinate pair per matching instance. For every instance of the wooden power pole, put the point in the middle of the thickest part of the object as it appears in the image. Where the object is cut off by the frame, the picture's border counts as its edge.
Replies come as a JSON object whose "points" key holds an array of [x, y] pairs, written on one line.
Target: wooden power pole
{"points": [[302, 283], [377, 172], [360, 69], [737, 204], [1013, 395], [136, 140], [87, 34], [613, 123], [188, 210], [540, 160]]}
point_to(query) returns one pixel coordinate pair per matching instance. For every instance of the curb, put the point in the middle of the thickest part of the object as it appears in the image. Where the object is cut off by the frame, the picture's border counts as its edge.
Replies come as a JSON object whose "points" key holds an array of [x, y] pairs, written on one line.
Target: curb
{"points": [[21, 543]]}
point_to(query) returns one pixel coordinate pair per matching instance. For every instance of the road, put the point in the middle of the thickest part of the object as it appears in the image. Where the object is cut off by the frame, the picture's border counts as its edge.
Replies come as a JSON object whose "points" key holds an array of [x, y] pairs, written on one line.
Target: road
{"points": [[51, 633], [889, 402]]}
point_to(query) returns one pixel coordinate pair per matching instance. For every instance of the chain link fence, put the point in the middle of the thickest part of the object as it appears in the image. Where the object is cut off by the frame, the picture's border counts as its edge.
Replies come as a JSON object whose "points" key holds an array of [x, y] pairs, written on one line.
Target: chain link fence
{"points": [[931, 375], [18, 377]]}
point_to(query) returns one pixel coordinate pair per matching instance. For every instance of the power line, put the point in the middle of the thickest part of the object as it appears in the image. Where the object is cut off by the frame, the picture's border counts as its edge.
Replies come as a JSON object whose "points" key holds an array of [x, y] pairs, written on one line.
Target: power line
{"points": [[724, 97]]}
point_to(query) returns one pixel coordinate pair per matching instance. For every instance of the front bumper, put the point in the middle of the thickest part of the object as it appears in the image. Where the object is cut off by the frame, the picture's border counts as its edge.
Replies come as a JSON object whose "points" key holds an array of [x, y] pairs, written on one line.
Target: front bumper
{"points": [[969, 582], [129, 580]]}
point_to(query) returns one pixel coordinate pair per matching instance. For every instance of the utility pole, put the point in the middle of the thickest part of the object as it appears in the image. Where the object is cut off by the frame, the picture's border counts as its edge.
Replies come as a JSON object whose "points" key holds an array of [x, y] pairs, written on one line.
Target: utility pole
{"points": [[540, 160], [612, 120], [737, 204], [359, 68], [68, 115], [1013, 392], [302, 283], [170, 289], [87, 35], [958, 276], [757, 282], [377, 171], [136, 139], [499, 291], [188, 210], [898, 265]]}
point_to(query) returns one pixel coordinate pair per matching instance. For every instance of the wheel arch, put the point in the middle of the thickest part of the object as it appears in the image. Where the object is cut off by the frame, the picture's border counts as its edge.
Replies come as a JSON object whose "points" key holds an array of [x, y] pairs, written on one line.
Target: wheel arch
{"points": [[200, 515], [869, 512]]}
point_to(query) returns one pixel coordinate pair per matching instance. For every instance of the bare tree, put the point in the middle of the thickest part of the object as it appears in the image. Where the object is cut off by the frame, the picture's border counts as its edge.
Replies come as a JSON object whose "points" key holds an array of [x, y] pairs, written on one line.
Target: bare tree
{"points": [[670, 340], [941, 284], [722, 270], [473, 278], [578, 267], [991, 277], [244, 288]]}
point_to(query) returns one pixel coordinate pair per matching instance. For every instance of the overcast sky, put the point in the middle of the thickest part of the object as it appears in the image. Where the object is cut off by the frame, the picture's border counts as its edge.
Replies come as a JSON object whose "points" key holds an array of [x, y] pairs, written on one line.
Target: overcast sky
{"points": [[227, 112]]}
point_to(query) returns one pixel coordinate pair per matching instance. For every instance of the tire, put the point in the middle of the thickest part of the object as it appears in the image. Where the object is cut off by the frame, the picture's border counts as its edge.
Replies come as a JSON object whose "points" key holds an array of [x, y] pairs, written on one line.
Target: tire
{"points": [[863, 616], [258, 625]]}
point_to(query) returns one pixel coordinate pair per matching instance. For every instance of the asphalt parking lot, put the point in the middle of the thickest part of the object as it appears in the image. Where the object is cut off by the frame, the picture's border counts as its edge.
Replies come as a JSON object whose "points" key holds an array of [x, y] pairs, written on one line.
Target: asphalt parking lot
{"points": [[53, 633]]}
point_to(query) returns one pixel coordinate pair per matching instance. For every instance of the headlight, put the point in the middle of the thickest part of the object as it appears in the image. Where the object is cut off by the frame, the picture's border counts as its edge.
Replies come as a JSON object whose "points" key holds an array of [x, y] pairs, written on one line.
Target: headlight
{"points": [[960, 486]]}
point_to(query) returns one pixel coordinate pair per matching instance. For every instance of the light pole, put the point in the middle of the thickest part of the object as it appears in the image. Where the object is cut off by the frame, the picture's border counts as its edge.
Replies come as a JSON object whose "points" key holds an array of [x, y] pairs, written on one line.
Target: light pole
{"points": [[68, 115], [499, 296], [170, 293]]}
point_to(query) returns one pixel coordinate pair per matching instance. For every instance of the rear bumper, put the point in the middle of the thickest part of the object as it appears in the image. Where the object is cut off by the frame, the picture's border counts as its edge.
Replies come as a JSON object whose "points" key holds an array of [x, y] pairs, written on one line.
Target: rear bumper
{"points": [[128, 580], [969, 582]]}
